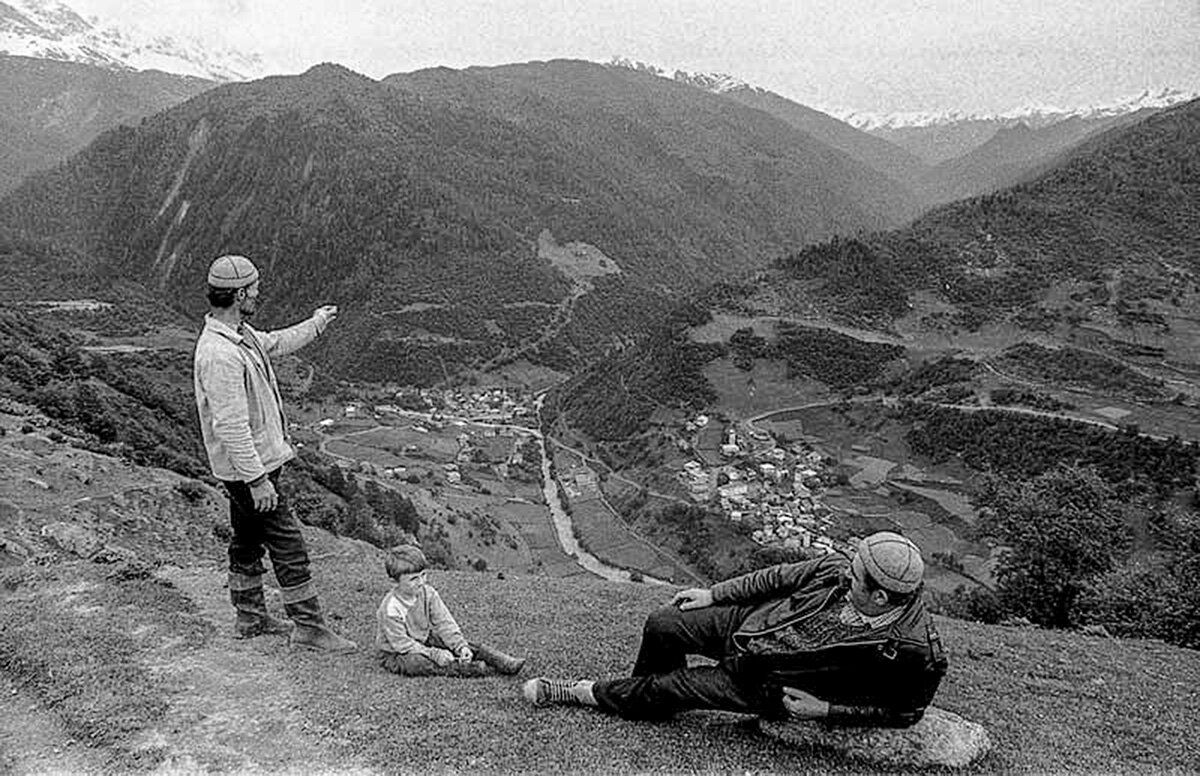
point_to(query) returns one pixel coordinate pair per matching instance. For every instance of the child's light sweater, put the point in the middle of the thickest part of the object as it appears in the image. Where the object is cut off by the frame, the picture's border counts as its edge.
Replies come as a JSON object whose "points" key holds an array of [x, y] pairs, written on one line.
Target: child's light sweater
{"points": [[405, 626]]}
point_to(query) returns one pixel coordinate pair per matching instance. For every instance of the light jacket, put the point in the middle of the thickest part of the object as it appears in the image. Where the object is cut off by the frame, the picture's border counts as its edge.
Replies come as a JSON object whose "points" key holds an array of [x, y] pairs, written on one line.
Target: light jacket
{"points": [[405, 629], [880, 676], [237, 396]]}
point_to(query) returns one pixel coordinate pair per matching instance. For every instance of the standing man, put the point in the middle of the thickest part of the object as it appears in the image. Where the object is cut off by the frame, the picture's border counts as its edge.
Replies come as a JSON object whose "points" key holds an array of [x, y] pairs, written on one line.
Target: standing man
{"points": [[245, 433], [847, 641]]}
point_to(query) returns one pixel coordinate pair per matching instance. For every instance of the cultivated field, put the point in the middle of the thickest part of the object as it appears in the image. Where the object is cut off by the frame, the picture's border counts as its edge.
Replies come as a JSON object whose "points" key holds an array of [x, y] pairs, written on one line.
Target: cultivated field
{"points": [[744, 394]]}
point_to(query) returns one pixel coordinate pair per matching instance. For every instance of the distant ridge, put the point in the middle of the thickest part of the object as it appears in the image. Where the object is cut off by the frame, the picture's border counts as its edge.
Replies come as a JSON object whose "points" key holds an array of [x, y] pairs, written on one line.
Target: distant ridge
{"points": [[939, 137], [881, 155], [1034, 116], [1014, 153]]}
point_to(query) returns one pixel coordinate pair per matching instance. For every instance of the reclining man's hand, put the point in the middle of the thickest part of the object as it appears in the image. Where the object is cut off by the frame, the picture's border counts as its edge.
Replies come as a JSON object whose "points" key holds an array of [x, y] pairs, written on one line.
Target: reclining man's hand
{"points": [[693, 598], [802, 705]]}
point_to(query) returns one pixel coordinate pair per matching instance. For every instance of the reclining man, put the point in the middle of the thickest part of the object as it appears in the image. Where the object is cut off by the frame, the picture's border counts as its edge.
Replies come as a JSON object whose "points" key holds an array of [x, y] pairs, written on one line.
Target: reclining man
{"points": [[846, 641]]}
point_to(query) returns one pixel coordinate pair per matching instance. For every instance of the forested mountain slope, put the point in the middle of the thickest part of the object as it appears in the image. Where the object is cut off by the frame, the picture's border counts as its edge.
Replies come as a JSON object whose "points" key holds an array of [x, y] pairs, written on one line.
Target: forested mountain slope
{"points": [[49, 110], [1097, 259], [893, 161], [417, 202], [1124, 205], [1013, 154]]}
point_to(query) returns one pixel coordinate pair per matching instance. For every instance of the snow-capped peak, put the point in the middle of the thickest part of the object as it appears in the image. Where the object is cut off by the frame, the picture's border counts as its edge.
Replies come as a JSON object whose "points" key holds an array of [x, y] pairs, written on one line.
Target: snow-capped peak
{"points": [[711, 82], [1033, 115], [48, 29]]}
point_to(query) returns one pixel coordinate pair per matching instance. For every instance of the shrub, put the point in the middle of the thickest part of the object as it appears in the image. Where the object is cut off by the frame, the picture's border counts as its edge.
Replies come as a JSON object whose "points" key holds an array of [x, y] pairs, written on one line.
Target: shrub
{"points": [[969, 603], [1150, 599], [1156, 595], [192, 490]]}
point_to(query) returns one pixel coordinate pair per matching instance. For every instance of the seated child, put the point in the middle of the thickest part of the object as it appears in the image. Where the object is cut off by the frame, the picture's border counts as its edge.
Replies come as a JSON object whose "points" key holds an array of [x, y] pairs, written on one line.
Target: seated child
{"points": [[415, 632]]}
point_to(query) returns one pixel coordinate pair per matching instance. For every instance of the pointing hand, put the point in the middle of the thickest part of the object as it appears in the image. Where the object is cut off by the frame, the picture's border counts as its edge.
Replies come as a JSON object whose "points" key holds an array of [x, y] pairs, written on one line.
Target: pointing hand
{"points": [[325, 314]]}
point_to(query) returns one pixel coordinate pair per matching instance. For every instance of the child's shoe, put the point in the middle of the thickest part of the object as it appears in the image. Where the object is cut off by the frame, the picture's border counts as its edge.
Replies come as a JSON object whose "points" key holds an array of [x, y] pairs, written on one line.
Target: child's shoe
{"points": [[468, 669], [502, 663]]}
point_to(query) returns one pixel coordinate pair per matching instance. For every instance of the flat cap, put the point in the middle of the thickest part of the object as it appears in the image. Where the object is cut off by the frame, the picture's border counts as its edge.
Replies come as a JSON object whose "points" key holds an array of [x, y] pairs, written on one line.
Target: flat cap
{"points": [[892, 561]]}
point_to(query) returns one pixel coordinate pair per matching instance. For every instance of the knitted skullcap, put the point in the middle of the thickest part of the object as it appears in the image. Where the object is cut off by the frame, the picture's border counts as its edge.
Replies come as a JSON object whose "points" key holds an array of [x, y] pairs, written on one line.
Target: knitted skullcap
{"points": [[892, 561], [405, 559], [232, 272]]}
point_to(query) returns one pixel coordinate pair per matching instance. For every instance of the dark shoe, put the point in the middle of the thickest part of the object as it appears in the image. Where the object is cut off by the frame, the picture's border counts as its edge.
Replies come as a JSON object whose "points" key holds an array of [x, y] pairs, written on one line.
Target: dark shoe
{"points": [[468, 670], [545, 692], [252, 616], [502, 663], [311, 632]]}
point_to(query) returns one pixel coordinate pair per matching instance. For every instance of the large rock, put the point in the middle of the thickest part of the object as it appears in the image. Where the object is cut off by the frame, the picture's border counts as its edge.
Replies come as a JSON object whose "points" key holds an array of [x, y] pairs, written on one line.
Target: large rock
{"points": [[86, 543], [76, 539], [942, 738]]}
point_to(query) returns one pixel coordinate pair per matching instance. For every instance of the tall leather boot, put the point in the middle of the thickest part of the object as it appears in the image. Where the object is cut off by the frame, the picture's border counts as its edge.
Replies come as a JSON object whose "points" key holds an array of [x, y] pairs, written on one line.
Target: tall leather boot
{"points": [[253, 619], [311, 632], [502, 663]]}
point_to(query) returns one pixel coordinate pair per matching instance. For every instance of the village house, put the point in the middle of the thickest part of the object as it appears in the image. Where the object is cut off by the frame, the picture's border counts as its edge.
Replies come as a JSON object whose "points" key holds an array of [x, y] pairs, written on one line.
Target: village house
{"points": [[734, 490], [700, 486]]}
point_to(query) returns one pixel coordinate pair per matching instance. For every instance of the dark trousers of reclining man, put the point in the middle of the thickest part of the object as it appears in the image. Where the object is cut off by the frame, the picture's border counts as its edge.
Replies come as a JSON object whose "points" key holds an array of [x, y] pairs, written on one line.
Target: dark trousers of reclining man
{"points": [[844, 640]]}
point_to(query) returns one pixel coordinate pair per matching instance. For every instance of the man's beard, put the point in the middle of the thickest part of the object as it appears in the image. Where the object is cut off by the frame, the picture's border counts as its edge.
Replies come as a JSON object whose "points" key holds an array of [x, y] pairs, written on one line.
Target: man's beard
{"points": [[248, 308]]}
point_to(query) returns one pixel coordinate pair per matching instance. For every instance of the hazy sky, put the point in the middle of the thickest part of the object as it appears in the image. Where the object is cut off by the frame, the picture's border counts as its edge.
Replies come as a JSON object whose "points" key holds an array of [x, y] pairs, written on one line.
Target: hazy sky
{"points": [[871, 55]]}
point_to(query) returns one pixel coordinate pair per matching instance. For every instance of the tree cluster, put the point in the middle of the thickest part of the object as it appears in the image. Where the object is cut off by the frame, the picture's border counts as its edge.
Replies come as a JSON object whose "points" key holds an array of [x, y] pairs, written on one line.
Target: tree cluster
{"points": [[1077, 551], [1022, 446]]}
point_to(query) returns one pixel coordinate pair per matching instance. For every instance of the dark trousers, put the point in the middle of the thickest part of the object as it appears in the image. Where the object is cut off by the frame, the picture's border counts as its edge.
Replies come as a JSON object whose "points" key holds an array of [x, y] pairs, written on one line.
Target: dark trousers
{"points": [[662, 684], [256, 533], [413, 664]]}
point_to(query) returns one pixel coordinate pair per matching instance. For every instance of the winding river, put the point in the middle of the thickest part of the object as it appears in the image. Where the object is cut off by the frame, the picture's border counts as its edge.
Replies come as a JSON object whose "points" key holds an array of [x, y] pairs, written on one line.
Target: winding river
{"points": [[564, 529]]}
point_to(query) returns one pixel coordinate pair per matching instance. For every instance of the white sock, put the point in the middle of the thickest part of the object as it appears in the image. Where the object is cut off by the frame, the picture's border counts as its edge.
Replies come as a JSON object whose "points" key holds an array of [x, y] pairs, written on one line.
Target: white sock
{"points": [[582, 690]]}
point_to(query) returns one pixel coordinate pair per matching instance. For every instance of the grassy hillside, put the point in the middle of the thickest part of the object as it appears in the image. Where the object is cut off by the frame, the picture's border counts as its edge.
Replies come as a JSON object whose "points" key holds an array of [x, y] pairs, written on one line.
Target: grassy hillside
{"points": [[126, 663], [417, 202], [130, 668]]}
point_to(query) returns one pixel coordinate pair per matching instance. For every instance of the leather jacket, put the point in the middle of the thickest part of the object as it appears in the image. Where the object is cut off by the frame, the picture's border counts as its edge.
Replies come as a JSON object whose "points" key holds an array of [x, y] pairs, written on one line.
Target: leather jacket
{"points": [[880, 676]]}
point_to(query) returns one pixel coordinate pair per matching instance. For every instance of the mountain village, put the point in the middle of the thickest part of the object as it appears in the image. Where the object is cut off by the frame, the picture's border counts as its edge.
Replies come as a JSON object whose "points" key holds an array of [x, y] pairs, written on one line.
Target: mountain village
{"points": [[756, 481]]}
